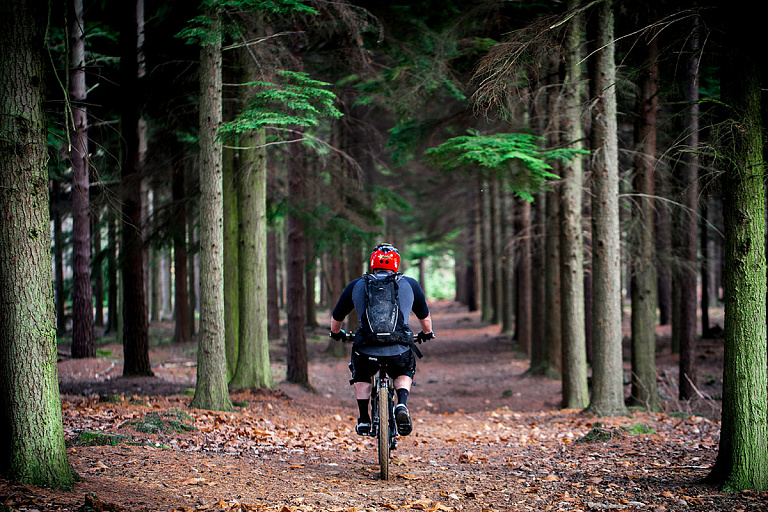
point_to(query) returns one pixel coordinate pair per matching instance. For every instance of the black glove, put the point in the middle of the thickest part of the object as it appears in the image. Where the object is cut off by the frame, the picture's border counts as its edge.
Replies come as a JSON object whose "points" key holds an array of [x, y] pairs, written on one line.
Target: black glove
{"points": [[338, 336], [425, 336]]}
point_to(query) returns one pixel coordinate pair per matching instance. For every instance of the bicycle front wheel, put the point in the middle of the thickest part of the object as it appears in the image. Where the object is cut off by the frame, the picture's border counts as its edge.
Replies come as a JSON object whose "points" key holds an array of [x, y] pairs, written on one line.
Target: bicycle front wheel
{"points": [[383, 439]]}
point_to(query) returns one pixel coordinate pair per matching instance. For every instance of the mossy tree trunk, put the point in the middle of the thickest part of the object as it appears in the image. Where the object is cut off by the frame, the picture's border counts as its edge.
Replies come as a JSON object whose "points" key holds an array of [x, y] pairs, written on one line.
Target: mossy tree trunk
{"points": [[211, 390], [33, 449], [742, 460], [230, 173], [253, 369]]}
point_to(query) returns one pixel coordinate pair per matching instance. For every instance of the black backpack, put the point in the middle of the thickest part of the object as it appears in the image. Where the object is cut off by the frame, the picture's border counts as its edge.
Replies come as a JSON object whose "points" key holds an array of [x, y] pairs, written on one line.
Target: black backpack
{"points": [[382, 322]]}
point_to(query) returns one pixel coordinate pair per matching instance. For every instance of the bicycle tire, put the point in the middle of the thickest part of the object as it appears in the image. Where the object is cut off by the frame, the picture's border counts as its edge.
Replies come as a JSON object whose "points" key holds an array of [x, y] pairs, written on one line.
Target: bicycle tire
{"points": [[383, 438]]}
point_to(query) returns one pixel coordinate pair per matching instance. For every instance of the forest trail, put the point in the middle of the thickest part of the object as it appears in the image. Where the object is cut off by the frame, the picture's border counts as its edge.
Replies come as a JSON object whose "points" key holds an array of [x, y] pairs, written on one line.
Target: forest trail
{"points": [[486, 437]]}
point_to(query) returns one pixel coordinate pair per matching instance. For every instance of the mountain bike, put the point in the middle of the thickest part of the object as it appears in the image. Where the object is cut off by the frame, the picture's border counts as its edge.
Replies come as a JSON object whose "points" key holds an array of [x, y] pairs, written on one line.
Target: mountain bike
{"points": [[383, 426]]}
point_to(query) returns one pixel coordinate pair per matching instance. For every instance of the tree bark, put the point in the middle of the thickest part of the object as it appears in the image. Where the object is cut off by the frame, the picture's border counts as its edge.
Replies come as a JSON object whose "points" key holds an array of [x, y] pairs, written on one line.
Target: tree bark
{"points": [[574, 351], [33, 449], [663, 244], [538, 289], [273, 305], [297, 359], [704, 268], [486, 277], [211, 390], [742, 460], [156, 264], [524, 326], [112, 271], [192, 273], [135, 325], [58, 259], [253, 369], [689, 224], [179, 232], [231, 170], [83, 344], [645, 391], [98, 265], [607, 374]]}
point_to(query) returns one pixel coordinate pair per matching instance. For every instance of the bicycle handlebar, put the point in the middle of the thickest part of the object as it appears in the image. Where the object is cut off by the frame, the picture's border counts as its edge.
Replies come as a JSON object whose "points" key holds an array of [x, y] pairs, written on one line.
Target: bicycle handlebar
{"points": [[417, 338]]}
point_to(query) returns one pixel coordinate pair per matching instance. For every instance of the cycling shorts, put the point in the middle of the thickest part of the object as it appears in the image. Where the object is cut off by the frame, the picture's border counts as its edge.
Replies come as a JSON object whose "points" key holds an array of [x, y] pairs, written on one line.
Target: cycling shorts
{"points": [[364, 367]]}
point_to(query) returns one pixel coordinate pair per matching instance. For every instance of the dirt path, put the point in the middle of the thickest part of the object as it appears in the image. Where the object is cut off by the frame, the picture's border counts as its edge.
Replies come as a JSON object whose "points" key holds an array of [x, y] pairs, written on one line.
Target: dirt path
{"points": [[486, 437]]}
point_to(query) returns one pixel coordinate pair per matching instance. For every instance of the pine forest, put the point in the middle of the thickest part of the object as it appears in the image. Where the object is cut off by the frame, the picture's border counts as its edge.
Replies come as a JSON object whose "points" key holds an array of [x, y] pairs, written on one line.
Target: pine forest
{"points": [[188, 190]]}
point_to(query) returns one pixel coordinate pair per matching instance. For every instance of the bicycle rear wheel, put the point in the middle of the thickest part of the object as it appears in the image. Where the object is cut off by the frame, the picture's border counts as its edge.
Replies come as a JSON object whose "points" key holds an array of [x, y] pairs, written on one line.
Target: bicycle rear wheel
{"points": [[383, 438]]}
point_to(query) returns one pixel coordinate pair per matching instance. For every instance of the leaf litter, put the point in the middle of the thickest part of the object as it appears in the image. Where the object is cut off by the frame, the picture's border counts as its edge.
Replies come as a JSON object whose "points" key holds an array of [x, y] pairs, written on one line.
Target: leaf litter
{"points": [[475, 447]]}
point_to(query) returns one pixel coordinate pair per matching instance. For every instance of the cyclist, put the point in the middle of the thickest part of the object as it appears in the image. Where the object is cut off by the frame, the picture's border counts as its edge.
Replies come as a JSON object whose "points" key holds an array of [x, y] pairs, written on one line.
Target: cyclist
{"points": [[396, 354]]}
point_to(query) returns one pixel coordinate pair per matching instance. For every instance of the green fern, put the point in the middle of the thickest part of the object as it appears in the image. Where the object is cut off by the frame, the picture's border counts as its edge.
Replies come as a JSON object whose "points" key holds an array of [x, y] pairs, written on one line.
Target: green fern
{"points": [[516, 156], [297, 101], [199, 29]]}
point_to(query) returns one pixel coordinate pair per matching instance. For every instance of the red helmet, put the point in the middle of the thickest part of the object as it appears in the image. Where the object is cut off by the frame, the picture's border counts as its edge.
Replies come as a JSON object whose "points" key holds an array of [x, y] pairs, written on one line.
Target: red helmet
{"points": [[385, 257]]}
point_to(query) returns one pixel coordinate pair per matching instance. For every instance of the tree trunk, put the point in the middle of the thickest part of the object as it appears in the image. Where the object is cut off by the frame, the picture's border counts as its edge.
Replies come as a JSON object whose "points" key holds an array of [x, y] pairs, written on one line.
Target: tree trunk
{"points": [[553, 327], [607, 372], [742, 460], [98, 276], [156, 265], [273, 306], [470, 278], [524, 327], [704, 267], [538, 289], [83, 344], [253, 369], [135, 328], [574, 352], [645, 391], [484, 215], [211, 390], [33, 450], [179, 233], [663, 245], [497, 290], [192, 273], [296, 359], [58, 259], [507, 263], [310, 277], [689, 224], [112, 271], [231, 170]]}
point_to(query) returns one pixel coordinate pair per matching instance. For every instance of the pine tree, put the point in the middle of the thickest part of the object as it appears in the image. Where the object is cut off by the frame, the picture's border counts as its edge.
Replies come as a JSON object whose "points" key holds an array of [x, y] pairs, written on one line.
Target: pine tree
{"points": [[211, 389], [742, 460], [607, 373], [83, 344], [33, 450]]}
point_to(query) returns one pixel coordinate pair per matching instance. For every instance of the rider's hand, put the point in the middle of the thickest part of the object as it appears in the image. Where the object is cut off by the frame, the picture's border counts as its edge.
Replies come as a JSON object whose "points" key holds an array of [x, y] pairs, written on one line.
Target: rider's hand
{"points": [[425, 336], [338, 336]]}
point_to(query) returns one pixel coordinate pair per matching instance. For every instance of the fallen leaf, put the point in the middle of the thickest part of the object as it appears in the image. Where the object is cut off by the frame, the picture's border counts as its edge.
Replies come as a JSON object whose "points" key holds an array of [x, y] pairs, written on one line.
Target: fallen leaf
{"points": [[193, 481]]}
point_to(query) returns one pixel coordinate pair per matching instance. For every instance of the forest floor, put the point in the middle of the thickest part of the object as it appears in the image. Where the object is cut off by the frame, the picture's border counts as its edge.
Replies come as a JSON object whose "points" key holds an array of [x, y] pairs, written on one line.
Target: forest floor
{"points": [[487, 437]]}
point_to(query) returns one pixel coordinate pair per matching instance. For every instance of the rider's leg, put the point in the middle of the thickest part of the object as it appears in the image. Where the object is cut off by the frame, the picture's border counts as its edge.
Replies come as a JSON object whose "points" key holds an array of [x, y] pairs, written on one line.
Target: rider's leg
{"points": [[402, 416], [363, 395], [403, 388]]}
